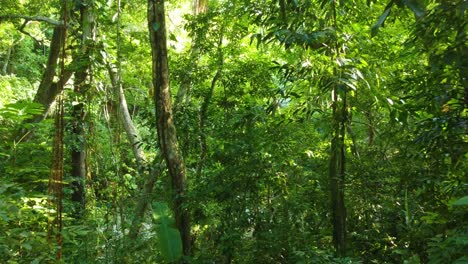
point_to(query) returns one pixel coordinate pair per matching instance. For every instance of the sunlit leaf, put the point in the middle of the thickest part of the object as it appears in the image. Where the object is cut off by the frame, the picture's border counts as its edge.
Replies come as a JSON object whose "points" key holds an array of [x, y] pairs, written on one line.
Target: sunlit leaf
{"points": [[381, 20]]}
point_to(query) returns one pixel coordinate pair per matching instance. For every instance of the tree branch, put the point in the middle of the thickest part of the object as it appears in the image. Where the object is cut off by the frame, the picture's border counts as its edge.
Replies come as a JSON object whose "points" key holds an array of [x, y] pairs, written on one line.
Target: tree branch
{"points": [[21, 29], [33, 18]]}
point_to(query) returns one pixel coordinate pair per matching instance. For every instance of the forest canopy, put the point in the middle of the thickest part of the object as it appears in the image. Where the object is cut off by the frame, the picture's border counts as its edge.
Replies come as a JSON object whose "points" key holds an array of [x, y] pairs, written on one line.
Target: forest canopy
{"points": [[213, 131]]}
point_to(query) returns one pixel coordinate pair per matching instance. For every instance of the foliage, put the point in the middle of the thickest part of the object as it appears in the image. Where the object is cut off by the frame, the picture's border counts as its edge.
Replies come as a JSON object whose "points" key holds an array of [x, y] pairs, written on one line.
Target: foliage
{"points": [[261, 78]]}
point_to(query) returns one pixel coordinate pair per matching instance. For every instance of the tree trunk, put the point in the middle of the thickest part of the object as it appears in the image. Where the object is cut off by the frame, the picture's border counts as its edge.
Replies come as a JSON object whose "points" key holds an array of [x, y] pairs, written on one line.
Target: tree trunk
{"points": [[204, 109], [167, 137], [183, 94], [48, 89], [337, 172], [338, 150], [370, 127], [133, 138], [143, 203], [199, 6], [43, 93], [82, 83], [125, 119], [7, 59]]}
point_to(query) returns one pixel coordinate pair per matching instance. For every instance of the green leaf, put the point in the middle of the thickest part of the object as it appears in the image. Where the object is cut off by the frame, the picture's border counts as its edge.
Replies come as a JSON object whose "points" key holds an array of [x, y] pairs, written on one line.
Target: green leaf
{"points": [[27, 246], [21, 110], [461, 201], [162, 214], [415, 6], [381, 20], [170, 243]]}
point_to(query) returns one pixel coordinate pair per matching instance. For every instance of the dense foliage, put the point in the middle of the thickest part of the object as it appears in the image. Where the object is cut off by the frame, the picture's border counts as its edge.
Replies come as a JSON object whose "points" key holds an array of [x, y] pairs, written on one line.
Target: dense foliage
{"points": [[310, 131]]}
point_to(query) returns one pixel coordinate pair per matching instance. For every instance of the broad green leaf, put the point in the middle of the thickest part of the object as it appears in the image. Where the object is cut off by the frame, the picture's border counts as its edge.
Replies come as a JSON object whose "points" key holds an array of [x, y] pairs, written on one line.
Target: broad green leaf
{"points": [[170, 242], [415, 6], [21, 110], [461, 201], [162, 214], [27, 246], [381, 20]]}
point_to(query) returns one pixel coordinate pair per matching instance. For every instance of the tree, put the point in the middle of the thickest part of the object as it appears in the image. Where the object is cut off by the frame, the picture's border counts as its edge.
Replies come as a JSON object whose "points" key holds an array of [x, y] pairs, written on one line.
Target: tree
{"points": [[167, 136], [82, 84]]}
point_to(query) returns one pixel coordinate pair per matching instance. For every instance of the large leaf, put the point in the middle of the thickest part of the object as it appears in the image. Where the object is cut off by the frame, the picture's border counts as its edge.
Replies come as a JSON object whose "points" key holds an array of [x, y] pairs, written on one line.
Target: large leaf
{"points": [[168, 236], [461, 201], [162, 214], [21, 110], [170, 243], [381, 20], [415, 6]]}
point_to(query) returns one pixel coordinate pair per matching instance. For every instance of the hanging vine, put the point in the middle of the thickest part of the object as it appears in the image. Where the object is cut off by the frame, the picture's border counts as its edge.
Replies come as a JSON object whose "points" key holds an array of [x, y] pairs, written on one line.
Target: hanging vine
{"points": [[55, 191]]}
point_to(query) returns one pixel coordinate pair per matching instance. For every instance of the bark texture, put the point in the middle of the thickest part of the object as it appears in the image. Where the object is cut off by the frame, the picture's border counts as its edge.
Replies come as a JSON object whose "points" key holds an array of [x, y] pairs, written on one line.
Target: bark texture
{"points": [[48, 89], [167, 137]]}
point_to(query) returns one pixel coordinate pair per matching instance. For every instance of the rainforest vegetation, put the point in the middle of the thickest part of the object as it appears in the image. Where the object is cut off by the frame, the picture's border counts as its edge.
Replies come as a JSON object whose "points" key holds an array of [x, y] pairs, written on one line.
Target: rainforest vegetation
{"points": [[216, 131]]}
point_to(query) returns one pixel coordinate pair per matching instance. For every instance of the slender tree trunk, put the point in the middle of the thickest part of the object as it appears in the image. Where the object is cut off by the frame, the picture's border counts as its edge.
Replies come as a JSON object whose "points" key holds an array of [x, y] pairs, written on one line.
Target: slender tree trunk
{"points": [[48, 89], [338, 151], [165, 124], [43, 93], [199, 6], [337, 174], [183, 94], [370, 128], [143, 202], [125, 119], [7, 59], [133, 138], [204, 109], [82, 83]]}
